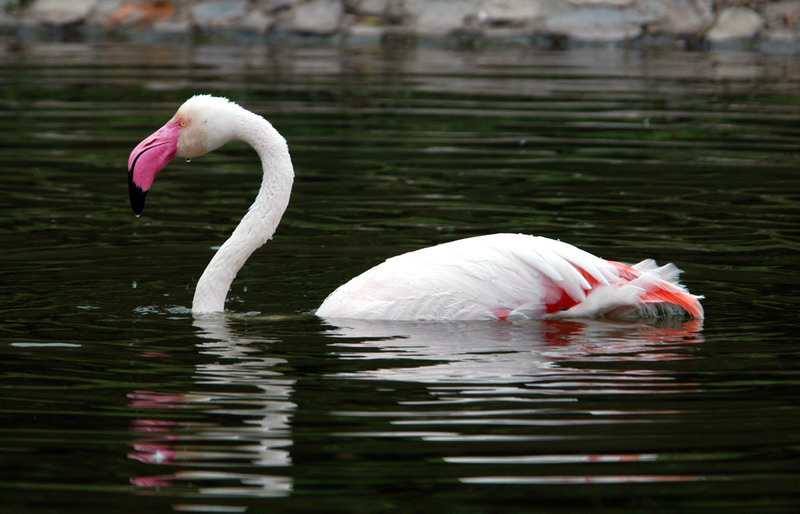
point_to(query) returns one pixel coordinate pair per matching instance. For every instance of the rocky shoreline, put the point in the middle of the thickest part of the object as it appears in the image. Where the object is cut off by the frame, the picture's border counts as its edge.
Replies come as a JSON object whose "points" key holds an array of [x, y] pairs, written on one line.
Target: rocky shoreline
{"points": [[741, 24]]}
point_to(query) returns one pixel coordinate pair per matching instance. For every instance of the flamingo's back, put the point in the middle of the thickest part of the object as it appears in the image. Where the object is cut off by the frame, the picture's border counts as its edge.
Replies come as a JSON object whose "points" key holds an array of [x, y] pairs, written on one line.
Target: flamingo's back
{"points": [[507, 276]]}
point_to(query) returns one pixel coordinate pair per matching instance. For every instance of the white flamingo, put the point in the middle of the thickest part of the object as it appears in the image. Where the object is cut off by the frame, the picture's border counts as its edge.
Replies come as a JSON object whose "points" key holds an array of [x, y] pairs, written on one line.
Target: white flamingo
{"points": [[499, 276]]}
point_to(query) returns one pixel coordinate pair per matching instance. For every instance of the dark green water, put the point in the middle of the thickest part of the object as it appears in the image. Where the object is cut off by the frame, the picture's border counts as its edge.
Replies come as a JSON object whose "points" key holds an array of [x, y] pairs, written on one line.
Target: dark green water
{"points": [[115, 399]]}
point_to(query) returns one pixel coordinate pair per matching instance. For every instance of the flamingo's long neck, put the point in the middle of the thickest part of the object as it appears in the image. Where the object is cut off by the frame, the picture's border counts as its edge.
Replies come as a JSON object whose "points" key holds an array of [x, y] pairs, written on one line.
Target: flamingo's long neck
{"points": [[261, 220]]}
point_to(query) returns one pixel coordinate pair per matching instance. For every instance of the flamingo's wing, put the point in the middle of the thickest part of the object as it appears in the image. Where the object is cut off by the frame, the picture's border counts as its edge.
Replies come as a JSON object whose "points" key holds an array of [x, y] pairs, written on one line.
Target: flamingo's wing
{"points": [[486, 277]]}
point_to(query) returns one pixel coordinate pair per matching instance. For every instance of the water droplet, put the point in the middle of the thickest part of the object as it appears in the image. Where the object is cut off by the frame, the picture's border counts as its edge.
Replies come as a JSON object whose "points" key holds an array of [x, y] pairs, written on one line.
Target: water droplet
{"points": [[189, 159], [134, 285]]}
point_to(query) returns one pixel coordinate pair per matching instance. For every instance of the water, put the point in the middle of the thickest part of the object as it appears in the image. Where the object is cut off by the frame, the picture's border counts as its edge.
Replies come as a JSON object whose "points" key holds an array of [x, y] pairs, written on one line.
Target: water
{"points": [[114, 398]]}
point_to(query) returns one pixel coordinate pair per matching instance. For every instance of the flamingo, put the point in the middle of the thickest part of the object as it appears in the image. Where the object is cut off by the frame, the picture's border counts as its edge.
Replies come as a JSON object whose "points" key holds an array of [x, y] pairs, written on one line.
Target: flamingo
{"points": [[498, 276]]}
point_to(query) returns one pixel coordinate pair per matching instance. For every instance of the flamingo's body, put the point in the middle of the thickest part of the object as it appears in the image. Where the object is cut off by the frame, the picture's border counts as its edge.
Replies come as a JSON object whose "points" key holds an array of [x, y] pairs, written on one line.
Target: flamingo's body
{"points": [[507, 276], [500, 276]]}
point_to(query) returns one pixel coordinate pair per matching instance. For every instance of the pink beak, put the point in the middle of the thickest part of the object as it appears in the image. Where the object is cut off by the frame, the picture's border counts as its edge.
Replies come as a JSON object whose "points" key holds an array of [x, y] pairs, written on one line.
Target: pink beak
{"points": [[147, 159]]}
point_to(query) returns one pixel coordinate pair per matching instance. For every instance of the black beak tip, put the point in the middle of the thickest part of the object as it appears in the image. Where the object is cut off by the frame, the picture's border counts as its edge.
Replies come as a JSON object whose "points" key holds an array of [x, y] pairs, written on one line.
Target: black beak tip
{"points": [[137, 196]]}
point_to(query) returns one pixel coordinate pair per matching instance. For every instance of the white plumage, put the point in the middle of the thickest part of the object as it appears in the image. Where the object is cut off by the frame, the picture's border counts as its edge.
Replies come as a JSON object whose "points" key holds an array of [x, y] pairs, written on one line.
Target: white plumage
{"points": [[500, 276], [505, 276]]}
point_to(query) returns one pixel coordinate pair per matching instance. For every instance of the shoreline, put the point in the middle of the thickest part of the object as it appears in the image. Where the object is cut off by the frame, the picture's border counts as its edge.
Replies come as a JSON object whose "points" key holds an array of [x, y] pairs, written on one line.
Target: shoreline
{"points": [[548, 24]]}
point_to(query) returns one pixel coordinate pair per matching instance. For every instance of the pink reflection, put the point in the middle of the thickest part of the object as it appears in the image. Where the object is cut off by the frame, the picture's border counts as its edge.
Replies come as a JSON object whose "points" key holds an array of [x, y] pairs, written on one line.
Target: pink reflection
{"points": [[154, 400], [153, 355], [591, 339], [257, 436], [155, 445], [153, 482]]}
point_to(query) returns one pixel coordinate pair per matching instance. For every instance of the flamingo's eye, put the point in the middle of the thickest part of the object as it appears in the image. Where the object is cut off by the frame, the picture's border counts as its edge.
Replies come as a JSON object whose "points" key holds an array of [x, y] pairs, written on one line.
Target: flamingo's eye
{"points": [[182, 123]]}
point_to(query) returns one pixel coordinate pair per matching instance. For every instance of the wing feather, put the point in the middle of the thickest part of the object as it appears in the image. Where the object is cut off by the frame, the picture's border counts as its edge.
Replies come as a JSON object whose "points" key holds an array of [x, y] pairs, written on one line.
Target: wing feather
{"points": [[470, 279]]}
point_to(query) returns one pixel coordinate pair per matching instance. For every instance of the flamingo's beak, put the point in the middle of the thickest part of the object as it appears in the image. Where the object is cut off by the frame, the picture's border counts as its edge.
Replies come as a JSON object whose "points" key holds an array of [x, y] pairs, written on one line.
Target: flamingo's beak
{"points": [[147, 159]]}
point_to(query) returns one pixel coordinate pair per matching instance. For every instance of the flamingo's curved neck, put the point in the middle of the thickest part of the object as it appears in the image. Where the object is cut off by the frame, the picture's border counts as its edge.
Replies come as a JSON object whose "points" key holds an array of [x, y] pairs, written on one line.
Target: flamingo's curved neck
{"points": [[261, 220]]}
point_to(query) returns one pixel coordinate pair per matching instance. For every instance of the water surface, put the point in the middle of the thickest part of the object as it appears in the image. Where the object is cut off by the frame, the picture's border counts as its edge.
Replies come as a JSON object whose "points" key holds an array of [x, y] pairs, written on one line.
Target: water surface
{"points": [[116, 399]]}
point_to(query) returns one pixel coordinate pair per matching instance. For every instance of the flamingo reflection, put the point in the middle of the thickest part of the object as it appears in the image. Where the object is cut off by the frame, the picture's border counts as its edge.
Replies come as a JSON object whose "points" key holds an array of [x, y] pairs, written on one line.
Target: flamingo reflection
{"points": [[503, 352], [253, 402], [527, 385]]}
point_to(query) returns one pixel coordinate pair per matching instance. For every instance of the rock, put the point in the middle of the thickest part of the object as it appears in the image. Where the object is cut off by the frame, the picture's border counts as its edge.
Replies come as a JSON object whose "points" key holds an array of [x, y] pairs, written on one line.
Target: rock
{"points": [[774, 25], [611, 3], [508, 13], [103, 10], [316, 17], [280, 5], [372, 7], [257, 21], [438, 16], [139, 15], [59, 12], [218, 13], [597, 24], [735, 23], [681, 17]]}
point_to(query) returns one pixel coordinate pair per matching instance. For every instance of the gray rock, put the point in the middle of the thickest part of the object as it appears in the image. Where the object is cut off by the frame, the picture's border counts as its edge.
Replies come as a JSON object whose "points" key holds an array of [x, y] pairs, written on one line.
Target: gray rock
{"points": [[735, 23], [508, 13], [316, 17], [438, 16], [680, 17], [597, 25], [279, 5], [59, 12], [218, 13], [605, 3], [372, 7], [257, 21], [103, 11], [771, 25]]}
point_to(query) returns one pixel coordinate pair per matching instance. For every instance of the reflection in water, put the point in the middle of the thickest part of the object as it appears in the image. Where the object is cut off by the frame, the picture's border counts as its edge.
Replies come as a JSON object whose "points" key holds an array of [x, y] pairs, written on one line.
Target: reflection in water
{"points": [[537, 392], [506, 353], [252, 403]]}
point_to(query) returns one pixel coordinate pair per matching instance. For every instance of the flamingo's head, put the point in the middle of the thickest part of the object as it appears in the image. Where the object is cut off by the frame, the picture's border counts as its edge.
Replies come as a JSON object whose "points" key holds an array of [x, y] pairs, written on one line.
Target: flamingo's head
{"points": [[202, 124]]}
